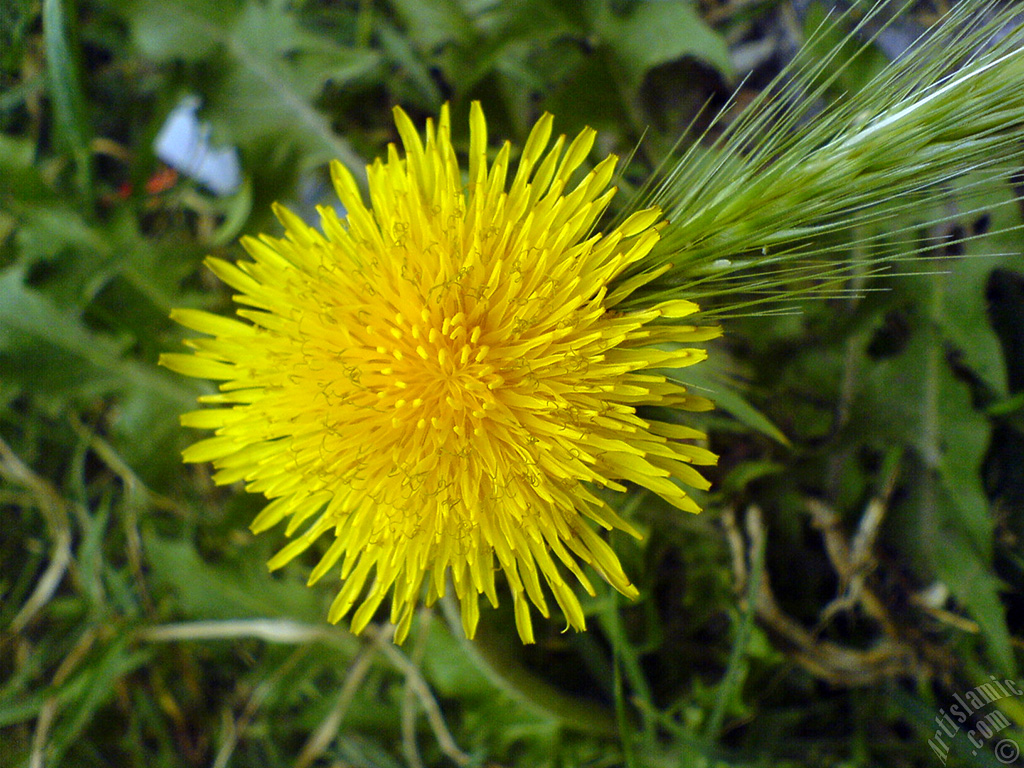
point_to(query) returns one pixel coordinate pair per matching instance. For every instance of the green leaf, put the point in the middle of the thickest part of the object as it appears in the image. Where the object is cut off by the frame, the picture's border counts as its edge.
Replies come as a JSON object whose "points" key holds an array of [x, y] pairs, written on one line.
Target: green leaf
{"points": [[70, 121], [267, 69], [704, 380], [421, 89], [584, 98], [965, 323], [756, 213], [47, 350], [16, 152], [433, 23], [244, 589], [856, 63], [21, 183], [85, 257], [658, 33], [957, 524], [915, 399], [509, 704], [189, 30]]}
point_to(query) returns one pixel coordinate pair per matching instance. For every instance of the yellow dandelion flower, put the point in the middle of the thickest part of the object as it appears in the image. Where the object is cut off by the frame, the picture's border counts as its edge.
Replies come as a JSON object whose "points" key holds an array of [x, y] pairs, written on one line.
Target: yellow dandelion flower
{"points": [[438, 383]]}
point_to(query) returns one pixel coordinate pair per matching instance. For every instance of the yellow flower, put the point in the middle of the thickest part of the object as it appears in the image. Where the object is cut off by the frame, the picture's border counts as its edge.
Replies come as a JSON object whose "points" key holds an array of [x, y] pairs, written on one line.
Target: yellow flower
{"points": [[438, 383]]}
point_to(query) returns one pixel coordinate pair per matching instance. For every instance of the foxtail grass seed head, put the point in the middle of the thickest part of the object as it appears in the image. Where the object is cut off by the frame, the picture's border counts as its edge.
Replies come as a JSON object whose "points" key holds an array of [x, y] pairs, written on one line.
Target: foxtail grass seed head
{"points": [[804, 189], [440, 381]]}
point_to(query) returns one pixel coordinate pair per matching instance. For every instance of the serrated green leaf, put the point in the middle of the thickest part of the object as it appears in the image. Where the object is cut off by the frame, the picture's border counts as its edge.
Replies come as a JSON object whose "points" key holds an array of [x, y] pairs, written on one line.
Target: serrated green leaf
{"points": [[914, 399], [47, 231], [228, 591], [958, 530], [48, 350], [965, 324], [88, 255], [658, 33], [189, 30], [433, 23], [424, 91], [268, 69]]}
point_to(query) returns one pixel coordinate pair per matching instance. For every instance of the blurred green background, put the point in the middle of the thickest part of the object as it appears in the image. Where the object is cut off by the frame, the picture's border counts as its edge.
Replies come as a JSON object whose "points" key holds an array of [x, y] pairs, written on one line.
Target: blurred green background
{"points": [[859, 562]]}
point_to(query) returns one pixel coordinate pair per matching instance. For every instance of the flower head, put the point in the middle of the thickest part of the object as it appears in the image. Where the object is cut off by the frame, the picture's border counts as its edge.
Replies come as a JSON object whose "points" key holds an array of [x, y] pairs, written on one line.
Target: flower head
{"points": [[439, 382]]}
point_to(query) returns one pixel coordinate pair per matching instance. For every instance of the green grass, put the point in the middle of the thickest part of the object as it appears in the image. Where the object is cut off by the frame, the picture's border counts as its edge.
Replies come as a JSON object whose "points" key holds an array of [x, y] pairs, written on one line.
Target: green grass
{"points": [[871, 444]]}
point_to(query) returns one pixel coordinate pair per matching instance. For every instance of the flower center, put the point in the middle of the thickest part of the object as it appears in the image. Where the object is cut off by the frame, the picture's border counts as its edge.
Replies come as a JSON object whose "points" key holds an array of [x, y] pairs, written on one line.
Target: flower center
{"points": [[435, 372]]}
